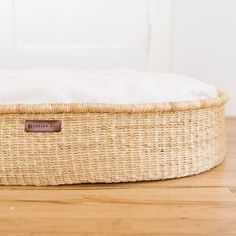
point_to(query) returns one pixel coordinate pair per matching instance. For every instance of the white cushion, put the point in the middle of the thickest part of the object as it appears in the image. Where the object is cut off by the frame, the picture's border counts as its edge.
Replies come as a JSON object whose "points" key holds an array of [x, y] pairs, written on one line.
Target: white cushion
{"points": [[115, 86]]}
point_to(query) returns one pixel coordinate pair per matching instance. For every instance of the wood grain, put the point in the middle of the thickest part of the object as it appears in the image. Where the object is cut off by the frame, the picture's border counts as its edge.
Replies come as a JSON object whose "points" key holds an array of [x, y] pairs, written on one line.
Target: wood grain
{"points": [[199, 205]]}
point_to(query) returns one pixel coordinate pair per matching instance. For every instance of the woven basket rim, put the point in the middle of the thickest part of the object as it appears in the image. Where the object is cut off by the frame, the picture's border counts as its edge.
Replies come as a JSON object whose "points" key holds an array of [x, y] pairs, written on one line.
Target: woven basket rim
{"points": [[113, 108]]}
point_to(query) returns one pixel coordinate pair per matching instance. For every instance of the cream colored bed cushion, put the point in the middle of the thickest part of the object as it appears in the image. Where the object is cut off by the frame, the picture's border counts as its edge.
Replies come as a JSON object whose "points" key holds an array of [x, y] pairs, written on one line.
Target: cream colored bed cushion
{"points": [[114, 86]]}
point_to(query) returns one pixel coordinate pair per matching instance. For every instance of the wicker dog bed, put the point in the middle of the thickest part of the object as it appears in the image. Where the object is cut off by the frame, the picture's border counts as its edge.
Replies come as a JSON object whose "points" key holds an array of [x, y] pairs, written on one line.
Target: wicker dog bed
{"points": [[111, 143]]}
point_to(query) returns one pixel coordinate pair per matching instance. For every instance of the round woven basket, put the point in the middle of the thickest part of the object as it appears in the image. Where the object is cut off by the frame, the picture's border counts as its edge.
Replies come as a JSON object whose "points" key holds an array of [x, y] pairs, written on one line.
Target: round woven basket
{"points": [[111, 143]]}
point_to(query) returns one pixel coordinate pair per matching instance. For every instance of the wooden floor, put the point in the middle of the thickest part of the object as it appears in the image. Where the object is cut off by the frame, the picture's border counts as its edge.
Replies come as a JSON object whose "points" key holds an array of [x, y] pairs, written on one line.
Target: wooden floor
{"points": [[198, 205]]}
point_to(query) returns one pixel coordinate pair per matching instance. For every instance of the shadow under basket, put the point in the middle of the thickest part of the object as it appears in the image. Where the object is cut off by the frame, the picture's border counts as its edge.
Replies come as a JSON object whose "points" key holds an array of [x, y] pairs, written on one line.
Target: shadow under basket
{"points": [[100, 143]]}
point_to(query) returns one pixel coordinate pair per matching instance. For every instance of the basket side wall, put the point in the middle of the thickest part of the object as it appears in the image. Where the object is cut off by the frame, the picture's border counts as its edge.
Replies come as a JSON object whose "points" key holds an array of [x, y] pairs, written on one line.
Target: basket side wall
{"points": [[111, 147]]}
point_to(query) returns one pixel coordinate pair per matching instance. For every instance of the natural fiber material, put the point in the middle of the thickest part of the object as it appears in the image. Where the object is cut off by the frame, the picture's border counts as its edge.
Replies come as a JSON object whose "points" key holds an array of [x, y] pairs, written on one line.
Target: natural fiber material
{"points": [[111, 143]]}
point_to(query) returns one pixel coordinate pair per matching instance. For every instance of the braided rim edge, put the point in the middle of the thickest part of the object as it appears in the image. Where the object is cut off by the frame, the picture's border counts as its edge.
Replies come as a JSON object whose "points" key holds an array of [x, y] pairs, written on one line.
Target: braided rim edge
{"points": [[113, 108]]}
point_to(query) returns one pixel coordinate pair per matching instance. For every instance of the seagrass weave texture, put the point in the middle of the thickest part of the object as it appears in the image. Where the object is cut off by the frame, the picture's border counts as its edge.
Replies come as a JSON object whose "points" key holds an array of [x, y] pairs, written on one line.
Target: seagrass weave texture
{"points": [[118, 144]]}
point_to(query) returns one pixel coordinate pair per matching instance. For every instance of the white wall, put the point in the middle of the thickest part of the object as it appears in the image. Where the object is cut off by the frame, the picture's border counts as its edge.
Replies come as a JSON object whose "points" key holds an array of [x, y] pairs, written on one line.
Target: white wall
{"points": [[191, 37], [204, 43]]}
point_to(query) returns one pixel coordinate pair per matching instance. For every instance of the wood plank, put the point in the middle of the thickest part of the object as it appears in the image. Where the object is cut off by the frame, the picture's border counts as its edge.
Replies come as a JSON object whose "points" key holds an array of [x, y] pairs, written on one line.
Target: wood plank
{"points": [[119, 225], [133, 203]]}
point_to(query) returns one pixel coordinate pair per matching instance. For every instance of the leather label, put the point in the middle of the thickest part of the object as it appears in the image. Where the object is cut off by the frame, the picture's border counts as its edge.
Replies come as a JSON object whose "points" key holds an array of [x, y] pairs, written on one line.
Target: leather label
{"points": [[42, 126]]}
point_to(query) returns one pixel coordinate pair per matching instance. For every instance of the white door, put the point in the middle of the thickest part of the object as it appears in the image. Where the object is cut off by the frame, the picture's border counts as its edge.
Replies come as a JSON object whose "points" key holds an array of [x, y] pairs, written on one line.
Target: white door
{"points": [[85, 33]]}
